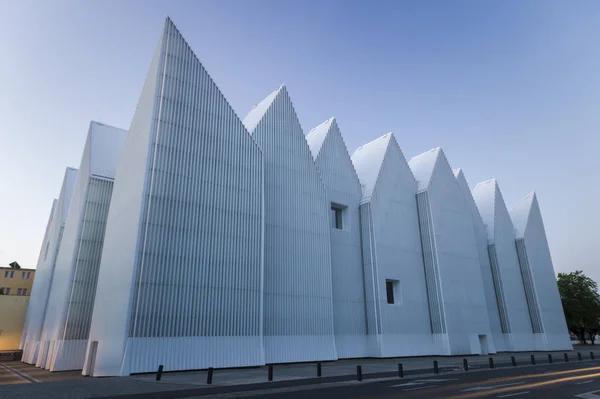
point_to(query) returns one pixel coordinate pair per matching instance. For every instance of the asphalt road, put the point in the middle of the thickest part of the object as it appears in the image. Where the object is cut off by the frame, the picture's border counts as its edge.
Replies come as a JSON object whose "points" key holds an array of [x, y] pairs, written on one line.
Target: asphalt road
{"points": [[569, 380]]}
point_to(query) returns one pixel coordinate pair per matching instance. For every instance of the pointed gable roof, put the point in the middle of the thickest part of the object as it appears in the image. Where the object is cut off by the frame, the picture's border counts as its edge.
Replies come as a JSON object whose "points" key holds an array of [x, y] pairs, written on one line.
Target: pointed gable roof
{"points": [[423, 166], [367, 161], [521, 213], [106, 146], [464, 187], [257, 113], [491, 205], [317, 135]]}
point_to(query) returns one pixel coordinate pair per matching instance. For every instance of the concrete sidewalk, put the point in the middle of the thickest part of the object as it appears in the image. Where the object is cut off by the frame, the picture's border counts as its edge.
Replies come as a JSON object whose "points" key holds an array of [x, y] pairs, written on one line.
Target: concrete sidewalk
{"points": [[193, 383], [347, 368]]}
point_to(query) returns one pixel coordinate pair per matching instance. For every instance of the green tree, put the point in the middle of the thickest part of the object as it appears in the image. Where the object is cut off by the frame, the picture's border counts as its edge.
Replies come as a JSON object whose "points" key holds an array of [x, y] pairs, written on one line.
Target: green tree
{"points": [[581, 303]]}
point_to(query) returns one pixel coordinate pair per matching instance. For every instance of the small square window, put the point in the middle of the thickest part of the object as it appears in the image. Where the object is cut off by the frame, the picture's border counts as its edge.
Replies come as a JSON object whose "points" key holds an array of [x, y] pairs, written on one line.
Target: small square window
{"points": [[7, 291], [392, 290], [28, 274], [24, 291], [22, 275], [19, 290], [12, 274], [6, 274]]}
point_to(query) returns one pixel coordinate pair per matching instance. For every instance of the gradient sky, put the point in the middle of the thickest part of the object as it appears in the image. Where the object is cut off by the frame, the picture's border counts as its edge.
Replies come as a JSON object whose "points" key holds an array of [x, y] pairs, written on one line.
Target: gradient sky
{"points": [[509, 89]]}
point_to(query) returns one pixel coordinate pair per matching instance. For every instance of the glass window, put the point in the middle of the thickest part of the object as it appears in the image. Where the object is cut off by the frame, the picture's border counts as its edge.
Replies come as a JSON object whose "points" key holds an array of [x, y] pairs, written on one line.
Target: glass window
{"points": [[337, 216], [24, 291], [12, 274], [19, 291], [7, 291], [6, 274], [28, 274], [22, 275], [389, 288], [392, 289]]}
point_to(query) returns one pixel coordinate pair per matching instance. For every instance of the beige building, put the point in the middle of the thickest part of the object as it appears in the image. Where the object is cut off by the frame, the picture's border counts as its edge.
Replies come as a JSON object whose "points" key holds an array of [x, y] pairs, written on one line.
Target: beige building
{"points": [[15, 288], [16, 280]]}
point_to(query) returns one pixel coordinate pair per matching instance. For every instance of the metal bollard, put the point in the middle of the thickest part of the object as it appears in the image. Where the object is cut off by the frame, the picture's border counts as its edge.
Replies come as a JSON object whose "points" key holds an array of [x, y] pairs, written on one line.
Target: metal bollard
{"points": [[465, 364], [209, 376], [436, 369], [270, 376], [579, 356], [533, 359], [400, 371], [513, 361], [550, 358], [491, 362], [592, 355], [159, 373], [566, 357], [319, 369], [358, 373]]}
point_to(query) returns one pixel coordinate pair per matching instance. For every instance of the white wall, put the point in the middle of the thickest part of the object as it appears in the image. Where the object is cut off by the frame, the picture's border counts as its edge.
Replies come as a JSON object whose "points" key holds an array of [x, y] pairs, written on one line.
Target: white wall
{"points": [[392, 250], [343, 188], [298, 298], [180, 279]]}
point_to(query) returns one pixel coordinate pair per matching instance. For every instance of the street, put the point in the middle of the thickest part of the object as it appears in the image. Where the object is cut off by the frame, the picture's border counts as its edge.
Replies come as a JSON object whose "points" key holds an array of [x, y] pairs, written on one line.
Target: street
{"points": [[567, 380]]}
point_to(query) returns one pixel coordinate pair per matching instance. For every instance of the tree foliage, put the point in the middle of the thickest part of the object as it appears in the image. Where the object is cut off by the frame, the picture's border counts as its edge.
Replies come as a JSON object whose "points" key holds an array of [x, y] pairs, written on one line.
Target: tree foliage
{"points": [[581, 302]]}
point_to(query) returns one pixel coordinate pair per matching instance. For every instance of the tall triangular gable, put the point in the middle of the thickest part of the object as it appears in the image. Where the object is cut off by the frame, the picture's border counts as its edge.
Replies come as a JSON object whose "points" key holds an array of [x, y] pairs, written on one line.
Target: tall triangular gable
{"points": [[184, 141]]}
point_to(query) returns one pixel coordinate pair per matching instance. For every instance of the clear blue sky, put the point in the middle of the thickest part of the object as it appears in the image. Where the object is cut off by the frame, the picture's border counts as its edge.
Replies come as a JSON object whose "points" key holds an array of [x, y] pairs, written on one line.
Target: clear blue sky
{"points": [[510, 89]]}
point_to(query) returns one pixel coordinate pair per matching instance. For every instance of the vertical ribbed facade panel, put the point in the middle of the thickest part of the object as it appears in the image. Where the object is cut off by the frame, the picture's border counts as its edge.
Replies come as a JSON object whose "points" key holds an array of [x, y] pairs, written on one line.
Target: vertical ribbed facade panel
{"points": [[500, 300], [505, 266], [344, 195], [430, 261], [298, 298], [530, 294], [451, 259], [191, 249], [534, 256], [37, 309], [493, 292], [79, 256], [392, 252]]}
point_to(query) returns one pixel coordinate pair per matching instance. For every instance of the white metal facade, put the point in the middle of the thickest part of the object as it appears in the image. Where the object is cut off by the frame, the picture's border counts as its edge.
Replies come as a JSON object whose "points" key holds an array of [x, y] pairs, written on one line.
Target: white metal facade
{"points": [[184, 231], [35, 346], [344, 194], [512, 304], [457, 305], [489, 289], [212, 242], [72, 293], [534, 256], [298, 298], [391, 249]]}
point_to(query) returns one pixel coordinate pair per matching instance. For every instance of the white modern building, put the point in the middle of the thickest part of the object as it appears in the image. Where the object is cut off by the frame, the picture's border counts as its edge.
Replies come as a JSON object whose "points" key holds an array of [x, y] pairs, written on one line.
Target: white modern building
{"points": [[459, 317], [184, 231], [514, 312], [395, 290], [36, 311], [298, 295], [216, 242], [343, 197], [71, 299], [540, 282]]}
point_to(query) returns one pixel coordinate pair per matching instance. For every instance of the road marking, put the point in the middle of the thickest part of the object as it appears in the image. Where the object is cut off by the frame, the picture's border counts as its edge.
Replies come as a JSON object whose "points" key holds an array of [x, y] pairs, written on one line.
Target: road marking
{"points": [[421, 382], [584, 382], [16, 372], [414, 389], [513, 394], [488, 387], [588, 395]]}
